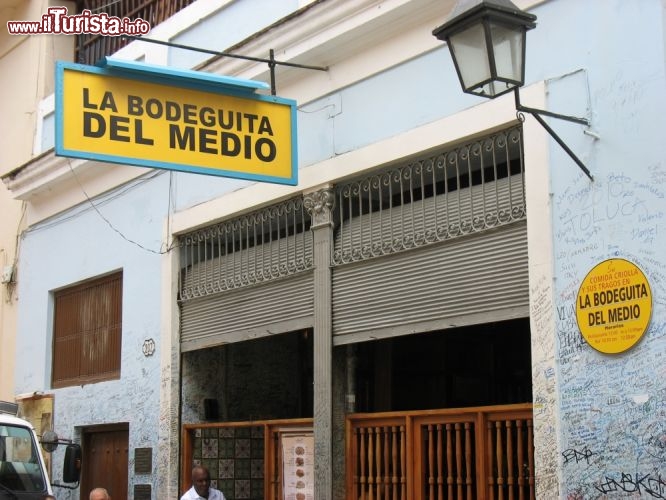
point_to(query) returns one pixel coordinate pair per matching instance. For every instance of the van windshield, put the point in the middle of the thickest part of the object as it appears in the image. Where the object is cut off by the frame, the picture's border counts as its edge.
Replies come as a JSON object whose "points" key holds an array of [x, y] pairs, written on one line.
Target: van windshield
{"points": [[20, 469]]}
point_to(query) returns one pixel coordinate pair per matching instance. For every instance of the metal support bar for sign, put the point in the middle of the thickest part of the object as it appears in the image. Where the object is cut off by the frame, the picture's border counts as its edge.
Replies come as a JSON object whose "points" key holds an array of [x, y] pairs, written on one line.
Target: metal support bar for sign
{"points": [[272, 62], [271, 66], [536, 113]]}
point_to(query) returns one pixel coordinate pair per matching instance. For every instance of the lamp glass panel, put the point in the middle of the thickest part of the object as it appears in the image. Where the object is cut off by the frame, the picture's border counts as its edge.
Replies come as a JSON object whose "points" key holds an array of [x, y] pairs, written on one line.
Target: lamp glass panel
{"points": [[470, 52], [493, 89], [508, 48]]}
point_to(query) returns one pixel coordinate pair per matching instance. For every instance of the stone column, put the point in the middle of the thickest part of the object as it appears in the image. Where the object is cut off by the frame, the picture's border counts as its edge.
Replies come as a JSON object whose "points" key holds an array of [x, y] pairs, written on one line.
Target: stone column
{"points": [[167, 454], [319, 205]]}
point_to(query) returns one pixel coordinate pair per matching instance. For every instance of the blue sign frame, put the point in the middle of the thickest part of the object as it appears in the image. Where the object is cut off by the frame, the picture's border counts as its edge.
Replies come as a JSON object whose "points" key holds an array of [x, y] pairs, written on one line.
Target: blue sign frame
{"points": [[179, 78]]}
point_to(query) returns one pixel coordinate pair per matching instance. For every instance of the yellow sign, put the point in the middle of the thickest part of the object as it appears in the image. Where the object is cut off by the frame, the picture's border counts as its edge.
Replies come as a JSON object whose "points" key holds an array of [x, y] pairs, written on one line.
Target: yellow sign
{"points": [[115, 116], [614, 306]]}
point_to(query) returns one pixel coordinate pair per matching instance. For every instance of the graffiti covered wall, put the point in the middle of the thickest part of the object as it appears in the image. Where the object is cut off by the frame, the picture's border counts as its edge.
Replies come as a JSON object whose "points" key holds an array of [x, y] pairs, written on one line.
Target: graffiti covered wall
{"points": [[612, 407]]}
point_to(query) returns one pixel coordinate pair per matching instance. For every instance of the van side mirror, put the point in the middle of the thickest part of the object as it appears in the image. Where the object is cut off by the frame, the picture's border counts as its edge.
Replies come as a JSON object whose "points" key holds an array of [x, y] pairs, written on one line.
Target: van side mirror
{"points": [[49, 441], [71, 471], [71, 467]]}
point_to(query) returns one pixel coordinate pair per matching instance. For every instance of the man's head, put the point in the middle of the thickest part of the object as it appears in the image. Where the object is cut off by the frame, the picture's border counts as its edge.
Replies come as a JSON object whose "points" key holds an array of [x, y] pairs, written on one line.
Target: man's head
{"points": [[99, 494], [201, 480]]}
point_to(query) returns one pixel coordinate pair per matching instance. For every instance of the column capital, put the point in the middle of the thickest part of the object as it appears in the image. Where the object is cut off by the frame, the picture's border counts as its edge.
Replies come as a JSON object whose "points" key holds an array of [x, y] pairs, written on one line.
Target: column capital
{"points": [[319, 205]]}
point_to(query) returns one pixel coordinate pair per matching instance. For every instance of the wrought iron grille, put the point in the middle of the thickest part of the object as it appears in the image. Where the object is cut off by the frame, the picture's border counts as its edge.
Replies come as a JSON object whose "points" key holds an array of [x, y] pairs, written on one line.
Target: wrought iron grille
{"points": [[261, 246], [472, 188]]}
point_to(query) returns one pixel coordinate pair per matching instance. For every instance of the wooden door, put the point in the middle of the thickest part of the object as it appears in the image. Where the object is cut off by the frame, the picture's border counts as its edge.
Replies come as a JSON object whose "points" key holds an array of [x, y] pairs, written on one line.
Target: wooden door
{"points": [[105, 461]]}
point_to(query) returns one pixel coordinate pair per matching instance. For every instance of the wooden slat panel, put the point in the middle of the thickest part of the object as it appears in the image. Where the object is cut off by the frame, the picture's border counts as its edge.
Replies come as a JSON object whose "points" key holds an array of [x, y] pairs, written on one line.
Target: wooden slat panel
{"points": [[87, 335], [510, 459], [461, 454]]}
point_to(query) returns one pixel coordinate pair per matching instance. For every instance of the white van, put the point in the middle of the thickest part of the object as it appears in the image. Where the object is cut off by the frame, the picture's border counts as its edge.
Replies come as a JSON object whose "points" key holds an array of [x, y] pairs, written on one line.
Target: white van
{"points": [[23, 474]]}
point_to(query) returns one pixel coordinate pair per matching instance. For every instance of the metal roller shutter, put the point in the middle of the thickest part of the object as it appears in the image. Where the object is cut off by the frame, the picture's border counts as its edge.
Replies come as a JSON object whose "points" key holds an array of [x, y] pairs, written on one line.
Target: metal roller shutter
{"points": [[467, 280], [274, 307]]}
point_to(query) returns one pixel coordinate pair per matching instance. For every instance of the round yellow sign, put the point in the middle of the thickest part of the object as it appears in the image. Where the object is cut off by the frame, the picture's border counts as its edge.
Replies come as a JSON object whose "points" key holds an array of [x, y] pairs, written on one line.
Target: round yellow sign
{"points": [[614, 306]]}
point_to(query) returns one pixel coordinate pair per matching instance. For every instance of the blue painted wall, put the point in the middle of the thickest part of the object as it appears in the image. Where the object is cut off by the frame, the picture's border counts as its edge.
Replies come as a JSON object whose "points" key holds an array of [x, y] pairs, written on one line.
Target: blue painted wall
{"points": [[76, 246], [601, 58], [226, 27]]}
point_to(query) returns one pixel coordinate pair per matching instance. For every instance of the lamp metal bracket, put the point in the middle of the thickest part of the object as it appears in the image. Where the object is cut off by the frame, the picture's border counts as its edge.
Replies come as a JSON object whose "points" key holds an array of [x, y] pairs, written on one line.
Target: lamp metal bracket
{"points": [[271, 61], [536, 113]]}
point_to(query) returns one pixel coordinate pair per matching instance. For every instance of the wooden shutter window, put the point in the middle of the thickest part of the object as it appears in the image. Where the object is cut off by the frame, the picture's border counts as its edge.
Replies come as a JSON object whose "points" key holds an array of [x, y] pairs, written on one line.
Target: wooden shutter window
{"points": [[87, 332]]}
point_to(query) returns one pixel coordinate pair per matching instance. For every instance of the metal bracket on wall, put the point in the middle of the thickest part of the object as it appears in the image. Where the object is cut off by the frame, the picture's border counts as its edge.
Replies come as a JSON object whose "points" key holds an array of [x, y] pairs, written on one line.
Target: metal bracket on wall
{"points": [[271, 61], [536, 113]]}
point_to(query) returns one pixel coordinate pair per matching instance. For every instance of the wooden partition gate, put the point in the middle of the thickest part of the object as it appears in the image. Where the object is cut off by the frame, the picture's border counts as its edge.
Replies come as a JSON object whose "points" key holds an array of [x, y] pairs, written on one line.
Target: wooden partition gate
{"points": [[243, 457], [483, 453]]}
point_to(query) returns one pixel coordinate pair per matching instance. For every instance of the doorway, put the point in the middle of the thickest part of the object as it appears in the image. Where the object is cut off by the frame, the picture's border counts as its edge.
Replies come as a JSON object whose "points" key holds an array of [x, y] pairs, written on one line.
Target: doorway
{"points": [[105, 460], [443, 415]]}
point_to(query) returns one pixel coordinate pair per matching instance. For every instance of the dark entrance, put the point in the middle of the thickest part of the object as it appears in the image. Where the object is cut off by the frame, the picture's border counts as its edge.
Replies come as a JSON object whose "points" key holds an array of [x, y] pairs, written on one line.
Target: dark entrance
{"points": [[480, 365], [260, 379], [257, 388]]}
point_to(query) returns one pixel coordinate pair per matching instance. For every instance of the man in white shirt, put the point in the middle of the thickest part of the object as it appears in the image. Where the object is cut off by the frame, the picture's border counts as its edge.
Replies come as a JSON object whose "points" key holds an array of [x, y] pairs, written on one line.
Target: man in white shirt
{"points": [[201, 489]]}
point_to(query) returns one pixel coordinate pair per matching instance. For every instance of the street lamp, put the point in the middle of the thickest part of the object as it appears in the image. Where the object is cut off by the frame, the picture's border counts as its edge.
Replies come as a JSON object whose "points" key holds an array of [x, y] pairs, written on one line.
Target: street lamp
{"points": [[487, 43], [486, 39]]}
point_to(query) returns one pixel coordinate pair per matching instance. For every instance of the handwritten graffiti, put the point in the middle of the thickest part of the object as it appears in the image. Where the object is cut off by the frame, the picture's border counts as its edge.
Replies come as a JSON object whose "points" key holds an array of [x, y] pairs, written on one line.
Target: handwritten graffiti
{"points": [[641, 484], [570, 341], [654, 438], [577, 456], [588, 212]]}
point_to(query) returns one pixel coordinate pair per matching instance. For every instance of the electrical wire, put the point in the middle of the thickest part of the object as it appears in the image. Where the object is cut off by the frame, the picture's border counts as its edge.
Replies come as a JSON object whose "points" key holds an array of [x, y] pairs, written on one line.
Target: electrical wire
{"points": [[116, 195], [103, 200]]}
